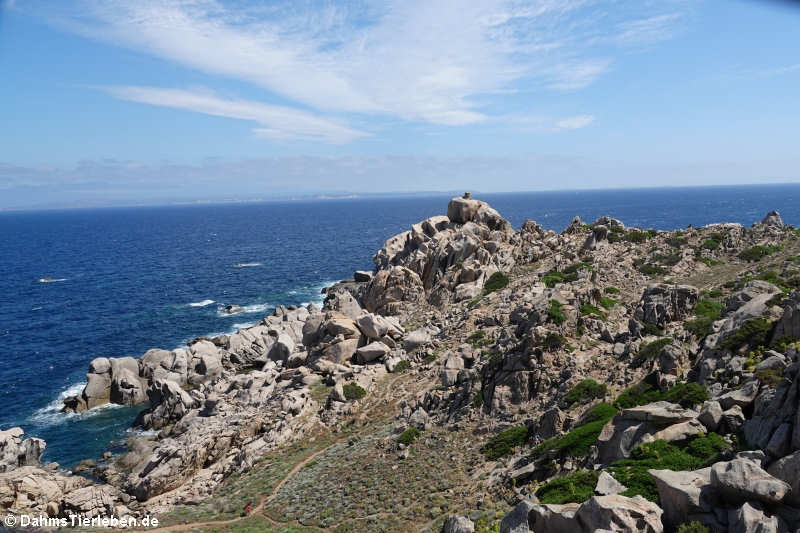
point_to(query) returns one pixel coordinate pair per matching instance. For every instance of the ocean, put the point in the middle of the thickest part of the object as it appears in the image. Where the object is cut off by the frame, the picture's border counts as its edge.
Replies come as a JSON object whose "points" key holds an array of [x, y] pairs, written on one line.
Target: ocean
{"points": [[123, 280]]}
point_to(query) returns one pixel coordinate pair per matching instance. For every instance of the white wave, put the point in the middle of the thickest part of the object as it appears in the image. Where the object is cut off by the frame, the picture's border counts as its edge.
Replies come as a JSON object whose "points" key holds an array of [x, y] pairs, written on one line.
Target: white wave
{"points": [[51, 280], [244, 325], [139, 432], [51, 413], [244, 309], [201, 304], [245, 265]]}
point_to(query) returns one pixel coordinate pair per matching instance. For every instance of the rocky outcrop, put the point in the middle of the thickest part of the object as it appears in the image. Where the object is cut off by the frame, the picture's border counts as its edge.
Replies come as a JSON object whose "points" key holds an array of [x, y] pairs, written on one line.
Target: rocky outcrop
{"points": [[661, 303], [599, 513], [17, 452]]}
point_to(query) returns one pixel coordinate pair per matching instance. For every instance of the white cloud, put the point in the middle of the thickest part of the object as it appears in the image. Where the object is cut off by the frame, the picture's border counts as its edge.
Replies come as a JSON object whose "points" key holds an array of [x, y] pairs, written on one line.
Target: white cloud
{"points": [[648, 30], [417, 60], [279, 122], [574, 123]]}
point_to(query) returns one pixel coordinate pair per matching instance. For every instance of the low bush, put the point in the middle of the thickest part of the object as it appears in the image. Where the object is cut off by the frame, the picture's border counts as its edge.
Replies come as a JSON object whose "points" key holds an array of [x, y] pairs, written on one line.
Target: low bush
{"points": [[408, 436], [685, 394], [577, 442], [556, 314], [677, 242], [503, 443], [496, 281], [611, 290], [554, 341], [637, 236], [588, 310], [652, 329], [572, 488], [651, 270], [757, 253], [401, 367], [585, 391], [693, 527], [553, 278], [752, 333], [707, 311], [353, 391], [661, 455], [606, 302], [651, 350]]}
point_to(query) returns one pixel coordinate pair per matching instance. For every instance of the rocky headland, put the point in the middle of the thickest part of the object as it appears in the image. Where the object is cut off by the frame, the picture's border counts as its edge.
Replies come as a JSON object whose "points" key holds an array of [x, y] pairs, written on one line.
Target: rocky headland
{"points": [[480, 379]]}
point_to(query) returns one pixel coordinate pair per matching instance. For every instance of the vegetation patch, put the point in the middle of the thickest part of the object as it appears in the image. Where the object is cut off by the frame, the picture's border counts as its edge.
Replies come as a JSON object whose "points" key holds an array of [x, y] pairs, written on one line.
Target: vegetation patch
{"points": [[757, 253], [606, 302], [693, 527], [572, 488], [651, 270], [661, 455], [707, 311], [554, 341], [402, 366], [577, 442], [478, 339], [503, 443], [408, 436], [589, 310], [685, 394], [568, 275], [611, 290], [752, 333], [651, 350], [556, 314], [353, 391], [496, 281], [677, 242], [585, 391]]}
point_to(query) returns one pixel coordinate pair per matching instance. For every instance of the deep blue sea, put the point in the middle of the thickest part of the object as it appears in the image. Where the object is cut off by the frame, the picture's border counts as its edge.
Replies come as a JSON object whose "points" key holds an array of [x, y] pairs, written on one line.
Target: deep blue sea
{"points": [[130, 279]]}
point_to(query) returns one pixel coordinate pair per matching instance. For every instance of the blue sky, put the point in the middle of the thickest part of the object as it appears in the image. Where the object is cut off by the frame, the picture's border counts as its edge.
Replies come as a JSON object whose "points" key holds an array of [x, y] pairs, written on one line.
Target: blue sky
{"points": [[147, 101]]}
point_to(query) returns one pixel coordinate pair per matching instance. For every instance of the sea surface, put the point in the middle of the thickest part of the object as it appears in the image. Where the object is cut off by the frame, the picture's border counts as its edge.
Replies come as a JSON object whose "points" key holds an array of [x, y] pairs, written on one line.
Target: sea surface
{"points": [[124, 280]]}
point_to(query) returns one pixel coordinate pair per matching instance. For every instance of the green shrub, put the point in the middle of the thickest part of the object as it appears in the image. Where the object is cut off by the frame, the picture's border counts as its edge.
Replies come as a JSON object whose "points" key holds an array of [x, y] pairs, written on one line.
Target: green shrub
{"points": [[401, 367], [693, 527], [652, 329], [651, 350], [588, 309], [477, 401], [771, 377], [710, 262], [611, 290], [651, 270], [496, 281], [661, 455], [637, 236], [554, 341], [556, 314], [710, 244], [757, 253], [752, 333], [572, 488], [504, 442], [352, 391], [586, 390], [577, 442], [607, 302], [687, 394], [552, 278], [478, 339], [676, 242], [707, 311], [408, 436], [668, 259], [639, 394]]}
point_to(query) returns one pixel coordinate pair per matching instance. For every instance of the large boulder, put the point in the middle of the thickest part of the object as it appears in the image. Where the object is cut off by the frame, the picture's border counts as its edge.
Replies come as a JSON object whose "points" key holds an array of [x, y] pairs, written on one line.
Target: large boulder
{"points": [[517, 520], [458, 524], [662, 303], [127, 388], [741, 480], [787, 469], [16, 452], [685, 494], [599, 513], [390, 291], [372, 351], [462, 210], [751, 518]]}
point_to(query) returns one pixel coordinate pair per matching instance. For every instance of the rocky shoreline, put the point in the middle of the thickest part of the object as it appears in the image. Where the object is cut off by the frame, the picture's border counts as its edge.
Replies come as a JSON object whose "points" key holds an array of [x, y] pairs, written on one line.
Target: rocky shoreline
{"points": [[610, 378]]}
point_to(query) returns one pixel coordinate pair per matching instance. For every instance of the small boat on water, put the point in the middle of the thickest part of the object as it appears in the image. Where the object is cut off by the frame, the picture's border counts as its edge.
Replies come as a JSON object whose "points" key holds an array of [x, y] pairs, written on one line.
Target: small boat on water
{"points": [[46, 280]]}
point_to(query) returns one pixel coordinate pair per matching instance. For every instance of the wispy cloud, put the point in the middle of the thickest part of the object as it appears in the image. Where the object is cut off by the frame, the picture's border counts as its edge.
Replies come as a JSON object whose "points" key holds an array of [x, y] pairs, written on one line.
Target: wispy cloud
{"points": [[278, 122], [574, 123], [416, 60]]}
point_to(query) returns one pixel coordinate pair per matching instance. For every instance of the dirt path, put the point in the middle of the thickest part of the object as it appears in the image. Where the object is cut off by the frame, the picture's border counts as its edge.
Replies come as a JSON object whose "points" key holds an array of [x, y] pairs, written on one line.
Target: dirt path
{"points": [[267, 498]]}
